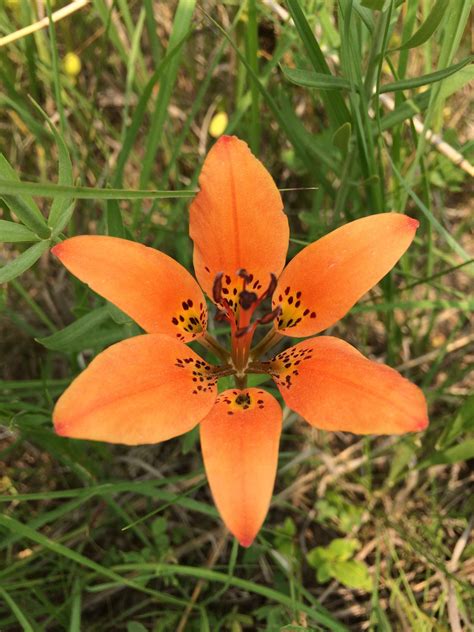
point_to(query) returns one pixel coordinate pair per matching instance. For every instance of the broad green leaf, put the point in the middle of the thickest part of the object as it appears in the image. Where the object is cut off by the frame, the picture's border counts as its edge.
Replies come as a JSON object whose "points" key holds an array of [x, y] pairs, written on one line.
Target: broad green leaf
{"points": [[432, 77], [23, 262], [353, 574], [13, 232], [463, 422], [312, 79], [428, 27], [24, 207], [343, 549]]}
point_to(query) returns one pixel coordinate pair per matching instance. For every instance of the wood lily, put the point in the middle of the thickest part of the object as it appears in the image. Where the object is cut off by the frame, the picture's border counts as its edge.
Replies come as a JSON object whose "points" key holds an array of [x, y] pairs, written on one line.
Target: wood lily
{"points": [[153, 387]]}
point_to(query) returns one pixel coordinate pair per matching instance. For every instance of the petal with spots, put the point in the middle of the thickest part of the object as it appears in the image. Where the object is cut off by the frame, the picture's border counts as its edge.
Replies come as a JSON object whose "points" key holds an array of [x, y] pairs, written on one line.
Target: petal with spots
{"points": [[141, 390], [236, 220], [334, 387], [239, 440], [324, 280], [152, 288]]}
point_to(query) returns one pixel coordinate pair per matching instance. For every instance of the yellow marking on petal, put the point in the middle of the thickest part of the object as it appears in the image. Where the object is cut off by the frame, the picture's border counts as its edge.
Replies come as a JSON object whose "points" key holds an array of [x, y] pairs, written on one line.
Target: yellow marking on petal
{"points": [[293, 308], [191, 319]]}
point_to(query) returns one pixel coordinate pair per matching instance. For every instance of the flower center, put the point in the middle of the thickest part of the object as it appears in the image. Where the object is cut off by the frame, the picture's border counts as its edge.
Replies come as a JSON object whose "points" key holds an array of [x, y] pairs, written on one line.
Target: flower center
{"points": [[237, 302]]}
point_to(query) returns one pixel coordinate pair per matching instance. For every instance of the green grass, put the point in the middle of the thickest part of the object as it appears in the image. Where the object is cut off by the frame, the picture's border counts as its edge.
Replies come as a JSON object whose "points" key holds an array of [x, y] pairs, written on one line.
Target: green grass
{"points": [[99, 537]]}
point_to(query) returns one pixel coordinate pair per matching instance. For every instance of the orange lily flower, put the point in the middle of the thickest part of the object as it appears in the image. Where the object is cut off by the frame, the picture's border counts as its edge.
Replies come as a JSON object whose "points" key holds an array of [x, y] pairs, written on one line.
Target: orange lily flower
{"points": [[152, 387]]}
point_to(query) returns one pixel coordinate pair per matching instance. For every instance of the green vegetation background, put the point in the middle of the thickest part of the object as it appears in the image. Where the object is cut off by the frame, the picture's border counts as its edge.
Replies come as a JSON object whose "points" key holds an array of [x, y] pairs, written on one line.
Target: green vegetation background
{"points": [[363, 533]]}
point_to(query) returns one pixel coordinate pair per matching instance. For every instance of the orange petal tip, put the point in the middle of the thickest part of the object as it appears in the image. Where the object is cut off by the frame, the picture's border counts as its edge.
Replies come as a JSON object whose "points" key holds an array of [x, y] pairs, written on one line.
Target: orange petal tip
{"points": [[412, 223], [246, 542], [225, 139], [60, 428], [56, 250], [420, 425]]}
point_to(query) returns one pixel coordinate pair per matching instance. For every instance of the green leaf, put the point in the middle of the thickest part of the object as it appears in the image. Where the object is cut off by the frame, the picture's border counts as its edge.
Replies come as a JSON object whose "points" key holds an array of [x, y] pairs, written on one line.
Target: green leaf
{"points": [[61, 208], [353, 574], [24, 261], [334, 102], [13, 232], [428, 27], [312, 79], [342, 549], [461, 452], [45, 189], [342, 137], [375, 5], [463, 422], [432, 77], [71, 337], [24, 207]]}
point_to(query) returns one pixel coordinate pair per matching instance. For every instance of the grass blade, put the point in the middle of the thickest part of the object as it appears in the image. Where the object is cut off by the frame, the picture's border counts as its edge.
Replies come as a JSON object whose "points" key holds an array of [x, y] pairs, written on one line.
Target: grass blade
{"points": [[23, 262]]}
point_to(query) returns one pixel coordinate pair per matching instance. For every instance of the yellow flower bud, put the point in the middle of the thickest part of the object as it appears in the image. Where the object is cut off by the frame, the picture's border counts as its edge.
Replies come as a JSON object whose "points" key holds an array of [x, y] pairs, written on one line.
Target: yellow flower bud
{"points": [[72, 64], [218, 124]]}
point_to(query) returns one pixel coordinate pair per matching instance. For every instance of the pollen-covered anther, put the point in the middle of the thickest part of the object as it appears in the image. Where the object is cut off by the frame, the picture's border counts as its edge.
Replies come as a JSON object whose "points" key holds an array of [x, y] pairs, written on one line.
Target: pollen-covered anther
{"points": [[240, 401], [286, 365], [203, 376], [191, 319], [293, 309]]}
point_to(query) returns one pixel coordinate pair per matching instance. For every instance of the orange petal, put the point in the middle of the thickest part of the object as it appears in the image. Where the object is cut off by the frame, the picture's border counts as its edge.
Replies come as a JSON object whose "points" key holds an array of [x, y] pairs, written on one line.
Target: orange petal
{"points": [[324, 280], [153, 289], [236, 220], [334, 387], [239, 441], [141, 390]]}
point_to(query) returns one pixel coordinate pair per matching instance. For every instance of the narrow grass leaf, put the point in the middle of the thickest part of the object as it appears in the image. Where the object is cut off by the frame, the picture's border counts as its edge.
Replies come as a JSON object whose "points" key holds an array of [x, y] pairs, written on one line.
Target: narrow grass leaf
{"points": [[45, 189], [74, 333], [24, 207], [23, 262], [463, 422], [319, 614], [428, 27], [455, 454], [181, 26], [69, 554], [13, 232], [75, 622], [424, 80], [311, 79], [61, 208], [336, 107], [17, 611]]}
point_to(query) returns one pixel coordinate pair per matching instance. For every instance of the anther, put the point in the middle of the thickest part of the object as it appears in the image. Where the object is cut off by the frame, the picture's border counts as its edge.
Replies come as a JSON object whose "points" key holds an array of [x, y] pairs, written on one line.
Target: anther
{"points": [[264, 320], [217, 288], [247, 299]]}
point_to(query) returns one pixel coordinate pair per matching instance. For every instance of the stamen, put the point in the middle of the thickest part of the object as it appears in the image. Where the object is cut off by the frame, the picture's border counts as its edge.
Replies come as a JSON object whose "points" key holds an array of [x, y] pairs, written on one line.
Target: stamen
{"points": [[217, 288], [247, 299]]}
